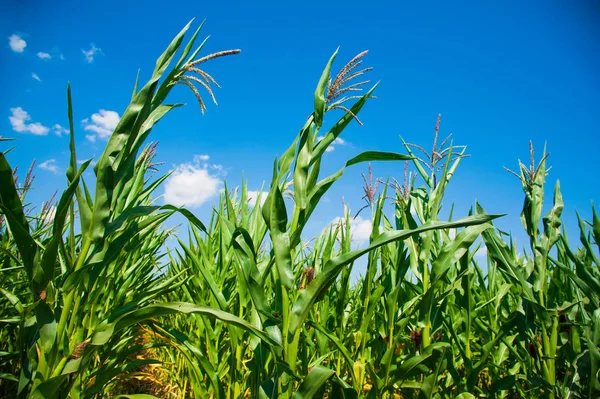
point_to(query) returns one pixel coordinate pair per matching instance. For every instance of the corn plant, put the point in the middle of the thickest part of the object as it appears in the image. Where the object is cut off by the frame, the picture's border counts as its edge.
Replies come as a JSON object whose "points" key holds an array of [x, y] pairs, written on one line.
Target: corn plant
{"points": [[77, 290], [254, 264]]}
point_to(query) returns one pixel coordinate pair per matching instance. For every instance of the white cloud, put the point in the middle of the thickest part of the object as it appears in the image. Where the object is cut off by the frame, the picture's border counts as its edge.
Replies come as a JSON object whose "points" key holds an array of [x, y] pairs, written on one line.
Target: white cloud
{"points": [[49, 165], [481, 252], [103, 124], [59, 130], [91, 53], [16, 43], [193, 183], [253, 197], [33, 75], [19, 121], [337, 142], [44, 56], [360, 229]]}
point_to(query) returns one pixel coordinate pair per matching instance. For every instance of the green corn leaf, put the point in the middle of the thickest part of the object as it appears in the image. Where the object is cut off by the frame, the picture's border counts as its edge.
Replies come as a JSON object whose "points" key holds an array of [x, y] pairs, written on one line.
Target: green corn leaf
{"points": [[8, 377], [428, 356], [301, 169], [596, 226], [339, 126], [280, 237], [14, 300], [338, 344], [83, 205], [251, 275], [12, 208], [332, 268], [430, 383], [46, 324], [314, 383], [320, 92], [167, 56], [453, 251], [106, 331], [465, 395], [43, 274], [49, 389], [317, 192]]}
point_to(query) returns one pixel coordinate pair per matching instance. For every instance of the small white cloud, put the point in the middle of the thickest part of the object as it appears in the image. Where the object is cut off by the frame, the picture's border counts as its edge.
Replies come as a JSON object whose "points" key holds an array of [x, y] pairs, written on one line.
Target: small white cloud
{"points": [[253, 197], [49, 165], [59, 130], [33, 75], [360, 229], [91, 53], [44, 56], [336, 142], [103, 124], [19, 121], [481, 252], [16, 43], [192, 184], [61, 57]]}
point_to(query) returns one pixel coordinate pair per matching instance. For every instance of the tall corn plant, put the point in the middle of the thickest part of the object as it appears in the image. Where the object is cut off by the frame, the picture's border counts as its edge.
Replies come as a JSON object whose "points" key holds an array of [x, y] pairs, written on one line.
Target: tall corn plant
{"points": [[307, 190], [282, 289], [556, 308], [89, 284]]}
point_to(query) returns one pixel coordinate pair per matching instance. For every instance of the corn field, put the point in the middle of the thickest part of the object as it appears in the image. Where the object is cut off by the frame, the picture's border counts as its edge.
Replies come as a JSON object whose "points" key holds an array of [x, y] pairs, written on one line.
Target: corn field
{"points": [[96, 303]]}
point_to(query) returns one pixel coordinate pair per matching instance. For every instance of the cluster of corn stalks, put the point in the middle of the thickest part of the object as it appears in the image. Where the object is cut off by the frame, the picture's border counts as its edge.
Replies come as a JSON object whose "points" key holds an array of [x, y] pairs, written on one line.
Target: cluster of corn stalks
{"points": [[93, 304]]}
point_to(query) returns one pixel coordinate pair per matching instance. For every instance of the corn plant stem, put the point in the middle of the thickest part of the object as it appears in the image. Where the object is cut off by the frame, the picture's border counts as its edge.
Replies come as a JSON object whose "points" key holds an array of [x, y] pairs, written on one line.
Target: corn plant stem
{"points": [[553, 344], [236, 392], [290, 342], [371, 264], [59, 368], [368, 290], [42, 366], [284, 381], [426, 340], [69, 299], [73, 321]]}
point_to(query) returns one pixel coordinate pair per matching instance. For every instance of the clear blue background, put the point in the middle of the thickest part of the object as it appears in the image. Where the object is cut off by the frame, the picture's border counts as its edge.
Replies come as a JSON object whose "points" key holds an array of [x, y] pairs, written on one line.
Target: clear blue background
{"points": [[500, 73]]}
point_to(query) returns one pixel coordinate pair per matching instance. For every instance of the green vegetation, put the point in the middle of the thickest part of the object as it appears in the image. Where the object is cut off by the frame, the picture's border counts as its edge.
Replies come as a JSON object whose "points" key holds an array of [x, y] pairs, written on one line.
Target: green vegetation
{"points": [[93, 306]]}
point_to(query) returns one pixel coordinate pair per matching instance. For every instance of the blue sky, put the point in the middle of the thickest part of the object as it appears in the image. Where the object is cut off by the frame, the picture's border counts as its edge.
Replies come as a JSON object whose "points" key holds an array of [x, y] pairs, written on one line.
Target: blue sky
{"points": [[500, 74]]}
